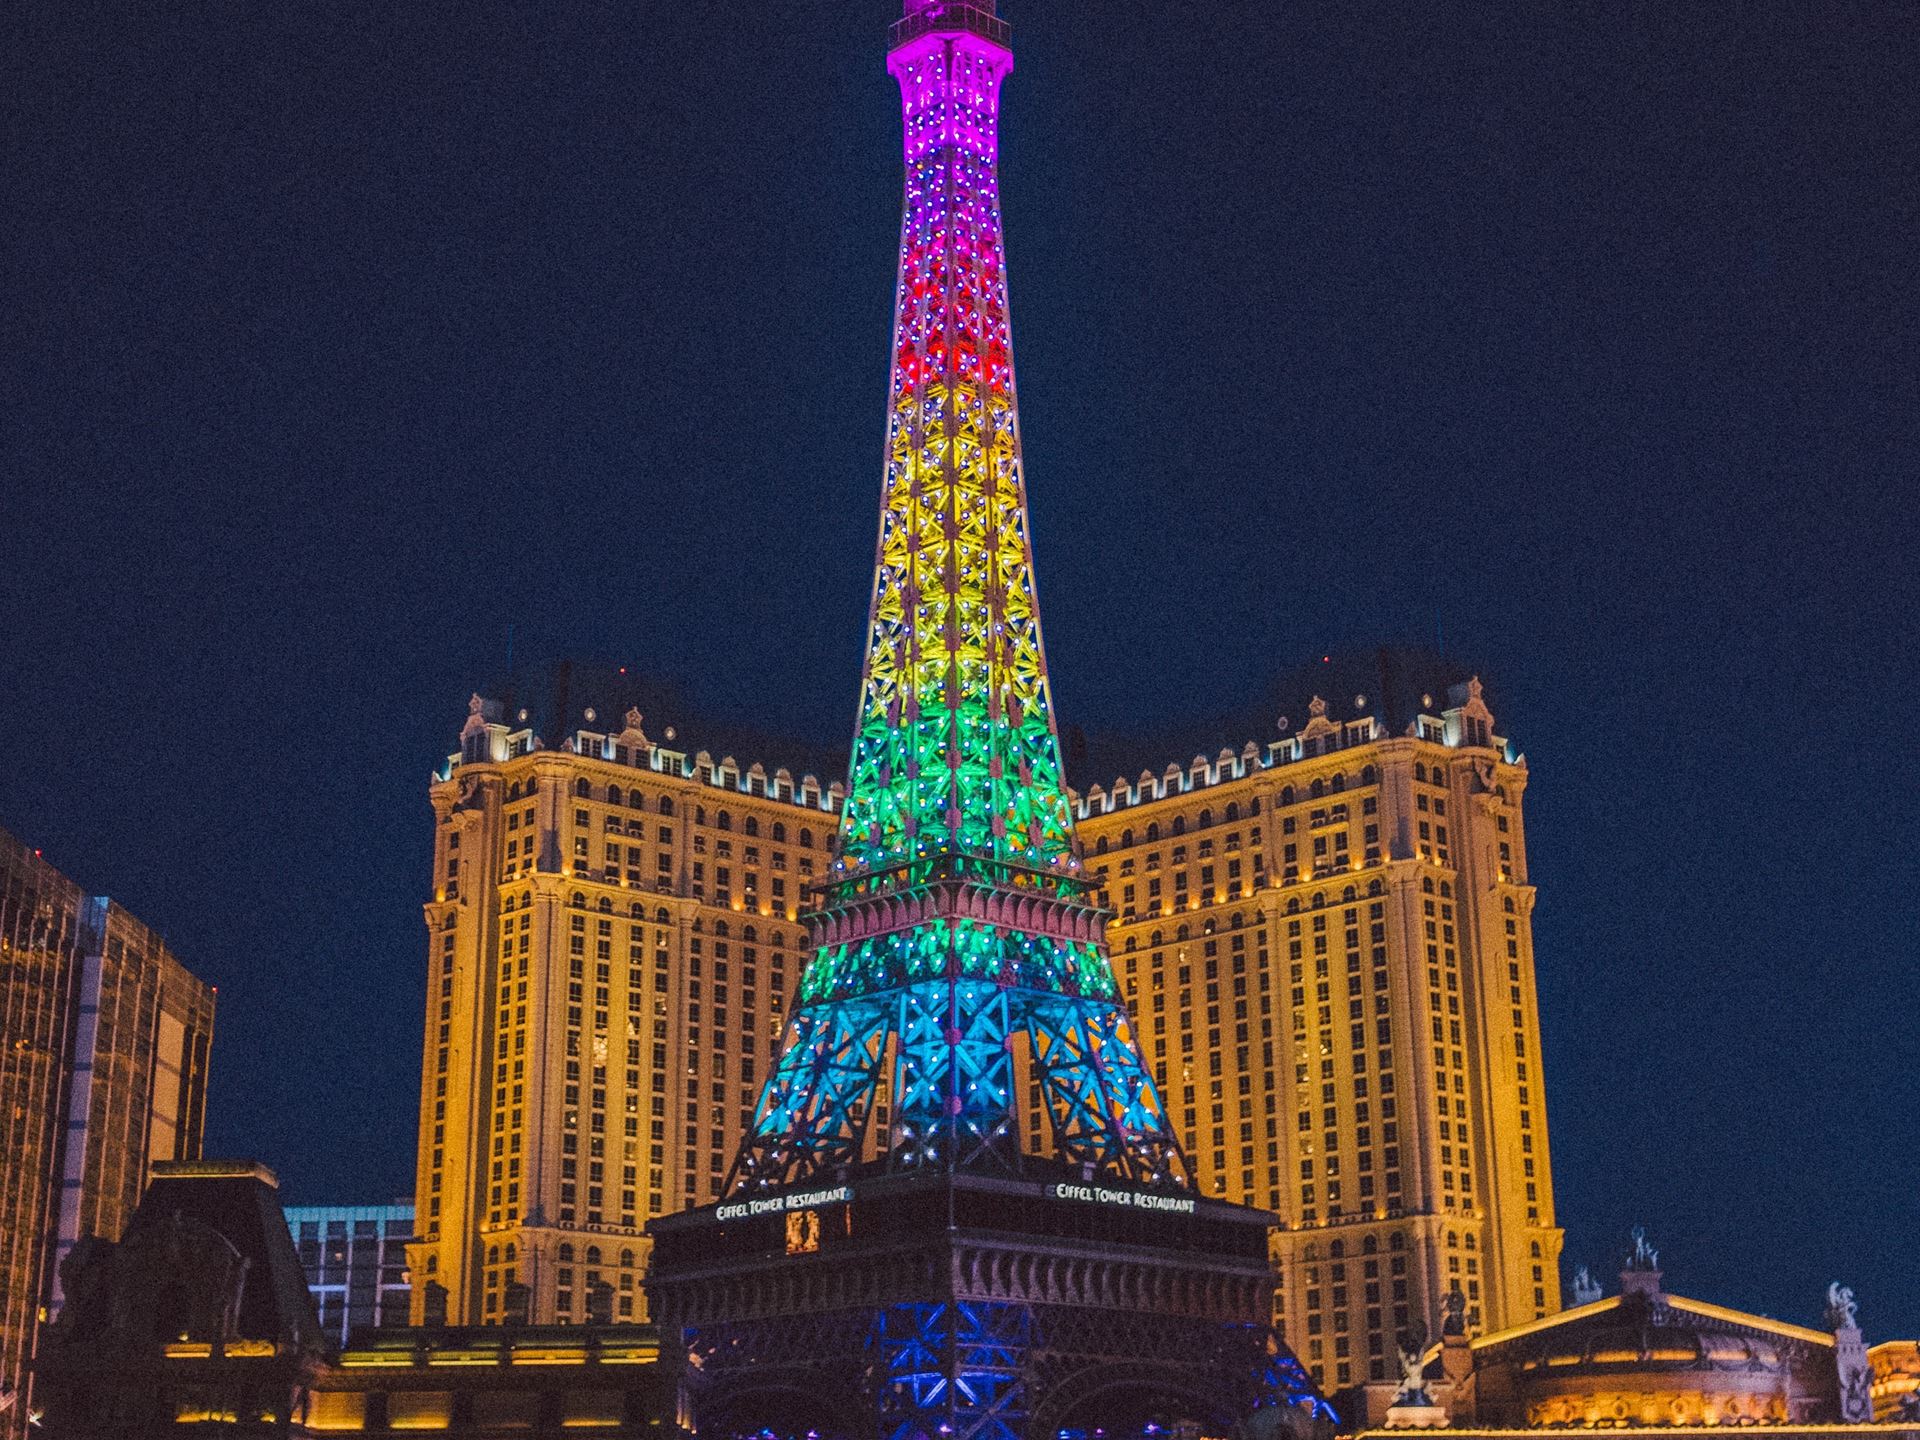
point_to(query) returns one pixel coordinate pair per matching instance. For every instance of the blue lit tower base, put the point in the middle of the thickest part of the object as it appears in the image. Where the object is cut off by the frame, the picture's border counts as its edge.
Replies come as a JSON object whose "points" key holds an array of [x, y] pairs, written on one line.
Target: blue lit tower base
{"points": [[949, 1304]]}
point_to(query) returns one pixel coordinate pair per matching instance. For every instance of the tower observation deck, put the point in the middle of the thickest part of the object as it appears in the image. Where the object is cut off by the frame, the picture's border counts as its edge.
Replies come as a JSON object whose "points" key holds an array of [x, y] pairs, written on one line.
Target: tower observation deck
{"points": [[960, 1175]]}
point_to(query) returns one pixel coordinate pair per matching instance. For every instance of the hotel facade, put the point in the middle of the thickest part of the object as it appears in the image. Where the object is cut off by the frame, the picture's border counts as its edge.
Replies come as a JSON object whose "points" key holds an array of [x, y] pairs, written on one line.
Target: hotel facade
{"points": [[1326, 942], [1324, 935], [613, 939]]}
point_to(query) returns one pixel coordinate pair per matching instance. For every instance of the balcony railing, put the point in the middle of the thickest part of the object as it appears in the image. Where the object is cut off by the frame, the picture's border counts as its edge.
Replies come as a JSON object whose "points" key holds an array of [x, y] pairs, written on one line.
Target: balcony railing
{"points": [[949, 15]]}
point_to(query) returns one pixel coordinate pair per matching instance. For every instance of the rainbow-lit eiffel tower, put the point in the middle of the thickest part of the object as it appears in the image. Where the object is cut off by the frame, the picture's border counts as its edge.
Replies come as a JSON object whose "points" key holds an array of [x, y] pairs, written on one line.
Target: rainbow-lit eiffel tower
{"points": [[961, 1210]]}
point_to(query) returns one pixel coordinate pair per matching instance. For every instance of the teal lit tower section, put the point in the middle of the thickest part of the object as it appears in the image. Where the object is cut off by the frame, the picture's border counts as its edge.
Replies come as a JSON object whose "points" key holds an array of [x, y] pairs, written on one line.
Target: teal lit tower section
{"points": [[960, 971]]}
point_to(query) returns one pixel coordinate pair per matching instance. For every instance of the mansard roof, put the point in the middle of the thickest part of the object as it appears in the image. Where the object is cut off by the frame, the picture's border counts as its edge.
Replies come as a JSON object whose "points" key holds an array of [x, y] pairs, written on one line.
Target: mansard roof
{"points": [[1393, 684], [556, 698], [1649, 1326]]}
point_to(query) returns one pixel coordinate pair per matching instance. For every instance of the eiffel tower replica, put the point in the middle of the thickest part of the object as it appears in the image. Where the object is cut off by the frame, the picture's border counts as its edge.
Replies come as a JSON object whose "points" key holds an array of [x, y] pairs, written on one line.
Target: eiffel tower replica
{"points": [[962, 1211]]}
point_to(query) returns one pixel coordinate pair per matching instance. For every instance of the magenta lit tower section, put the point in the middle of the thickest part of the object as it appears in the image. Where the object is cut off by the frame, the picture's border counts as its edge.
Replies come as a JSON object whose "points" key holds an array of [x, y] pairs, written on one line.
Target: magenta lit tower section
{"points": [[960, 1213]]}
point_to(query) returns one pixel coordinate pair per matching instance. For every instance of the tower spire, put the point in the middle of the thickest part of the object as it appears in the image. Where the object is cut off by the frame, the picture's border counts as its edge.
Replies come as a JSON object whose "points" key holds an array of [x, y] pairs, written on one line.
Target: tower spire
{"points": [[960, 972], [955, 750]]}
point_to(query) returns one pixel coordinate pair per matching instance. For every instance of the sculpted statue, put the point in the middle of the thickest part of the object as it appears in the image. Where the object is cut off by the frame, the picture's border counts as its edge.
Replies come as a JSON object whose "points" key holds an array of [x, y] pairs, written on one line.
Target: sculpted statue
{"points": [[1413, 1367], [1644, 1256], [1841, 1307], [1585, 1290], [1454, 1311]]}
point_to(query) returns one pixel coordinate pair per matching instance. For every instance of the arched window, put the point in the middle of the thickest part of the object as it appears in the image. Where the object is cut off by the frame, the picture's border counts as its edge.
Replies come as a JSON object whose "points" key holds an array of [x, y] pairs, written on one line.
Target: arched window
{"points": [[1338, 1249], [566, 1254], [1419, 771], [1233, 811], [1368, 775], [593, 1254], [720, 927], [1183, 933], [1253, 806], [493, 1254], [511, 1252], [1396, 1241], [750, 935], [779, 832], [447, 924], [582, 789], [806, 836], [666, 804], [1349, 895], [1317, 789], [626, 1259], [1370, 1245], [1286, 794], [1339, 783], [1205, 819], [752, 825], [1179, 824], [606, 906], [1507, 905], [661, 917], [723, 820], [614, 797], [1126, 837], [635, 799], [699, 814], [1153, 832], [577, 900], [1100, 846]]}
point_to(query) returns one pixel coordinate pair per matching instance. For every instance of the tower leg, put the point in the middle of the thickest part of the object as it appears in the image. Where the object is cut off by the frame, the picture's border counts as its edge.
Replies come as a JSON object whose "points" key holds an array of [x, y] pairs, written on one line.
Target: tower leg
{"points": [[952, 1370]]}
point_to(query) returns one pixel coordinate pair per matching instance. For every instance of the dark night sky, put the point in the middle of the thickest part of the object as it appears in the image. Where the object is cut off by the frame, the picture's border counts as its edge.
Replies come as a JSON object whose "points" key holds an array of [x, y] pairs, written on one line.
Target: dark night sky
{"points": [[337, 339]]}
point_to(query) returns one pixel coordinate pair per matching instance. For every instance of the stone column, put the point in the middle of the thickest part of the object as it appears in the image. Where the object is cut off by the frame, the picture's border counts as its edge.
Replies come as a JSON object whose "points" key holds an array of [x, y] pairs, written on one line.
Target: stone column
{"points": [[1850, 1359]]}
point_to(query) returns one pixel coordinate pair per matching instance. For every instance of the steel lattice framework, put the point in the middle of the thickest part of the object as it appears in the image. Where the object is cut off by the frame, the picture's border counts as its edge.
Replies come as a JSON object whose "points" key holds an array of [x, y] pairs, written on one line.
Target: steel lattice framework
{"points": [[959, 966], [956, 1273]]}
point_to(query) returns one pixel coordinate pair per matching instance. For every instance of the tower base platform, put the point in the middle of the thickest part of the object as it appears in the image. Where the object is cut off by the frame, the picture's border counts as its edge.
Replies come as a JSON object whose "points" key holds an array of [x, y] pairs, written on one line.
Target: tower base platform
{"points": [[900, 1306]]}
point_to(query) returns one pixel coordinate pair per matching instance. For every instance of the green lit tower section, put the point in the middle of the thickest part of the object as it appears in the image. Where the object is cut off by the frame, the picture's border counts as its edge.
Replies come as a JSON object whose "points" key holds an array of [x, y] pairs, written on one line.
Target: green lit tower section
{"points": [[960, 967]]}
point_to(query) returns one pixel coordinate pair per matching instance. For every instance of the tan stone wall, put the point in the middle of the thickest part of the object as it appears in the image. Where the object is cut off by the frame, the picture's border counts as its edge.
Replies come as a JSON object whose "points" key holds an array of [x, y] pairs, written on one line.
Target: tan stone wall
{"points": [[611, 948], [1279, 915]]}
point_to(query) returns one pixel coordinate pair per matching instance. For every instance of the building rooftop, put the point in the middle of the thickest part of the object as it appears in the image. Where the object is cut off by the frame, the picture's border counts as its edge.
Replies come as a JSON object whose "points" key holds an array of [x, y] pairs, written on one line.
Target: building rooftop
{"points": [[559, 700], [1393, 685]]}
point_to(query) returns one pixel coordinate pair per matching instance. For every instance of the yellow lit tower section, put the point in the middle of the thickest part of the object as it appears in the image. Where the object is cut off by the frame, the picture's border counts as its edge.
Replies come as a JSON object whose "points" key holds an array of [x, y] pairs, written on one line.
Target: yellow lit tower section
{"points": [[612, 952], [1326, 941]]}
